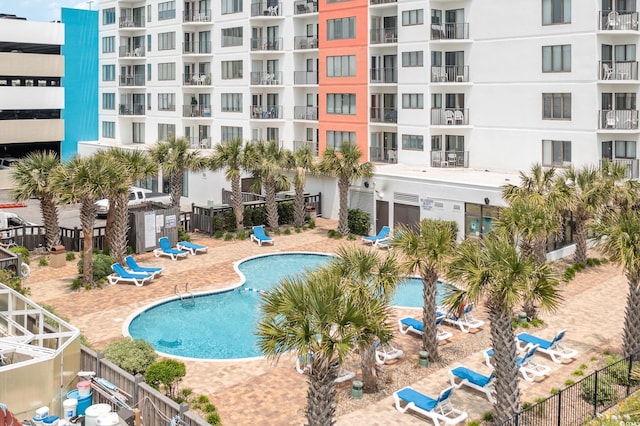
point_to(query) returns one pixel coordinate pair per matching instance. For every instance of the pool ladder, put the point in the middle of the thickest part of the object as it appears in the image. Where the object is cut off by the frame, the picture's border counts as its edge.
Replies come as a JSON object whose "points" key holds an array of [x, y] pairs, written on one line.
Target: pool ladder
{"points": [[186, 297]]}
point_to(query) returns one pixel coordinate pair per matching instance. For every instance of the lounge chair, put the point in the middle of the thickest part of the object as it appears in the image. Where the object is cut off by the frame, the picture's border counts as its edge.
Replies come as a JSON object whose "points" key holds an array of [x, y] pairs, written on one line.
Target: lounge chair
{"points": [[122, 275], [384, 233], [387, 243], [473, 380], [465, 322], [409, 324], [438, 410], [135, 267], [386, 352], [554, 348], [525, 363], [191, 247], [303, 366], [165, 249], [260, 237]]}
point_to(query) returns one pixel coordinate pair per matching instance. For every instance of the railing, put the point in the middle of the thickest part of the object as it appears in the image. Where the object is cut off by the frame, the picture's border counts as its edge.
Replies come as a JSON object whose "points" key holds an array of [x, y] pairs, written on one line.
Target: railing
{"points": [[266, 8], [625, 119], [632, 165], [196, 79], [199, 143], [266, 113], [382, 1], [302, 7], [384, 75], [262, 43], [136, 79], [129, 22], [618, 70], [192, 16], [383, 155], [450, 159], [313, 146], [305, 42], [131, 109], [450, 31], [450, 74], [618, 20], [196, 47], [384, 35], [383, 115], [305, 77], [449, 116], [196, 110], [126, 52], [262, 78], [305, 113]]}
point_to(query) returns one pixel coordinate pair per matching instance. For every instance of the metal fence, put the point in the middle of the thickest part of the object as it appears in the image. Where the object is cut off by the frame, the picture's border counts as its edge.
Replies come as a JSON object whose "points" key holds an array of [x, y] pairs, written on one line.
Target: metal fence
{"points": [[585, 399]]}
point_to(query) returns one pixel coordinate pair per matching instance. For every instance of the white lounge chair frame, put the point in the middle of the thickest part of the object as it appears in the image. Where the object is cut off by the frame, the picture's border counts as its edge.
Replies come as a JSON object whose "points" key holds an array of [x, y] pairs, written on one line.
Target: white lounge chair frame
{"points": [[487, 389], [386, 352], [174, 255], [441, 334], [375, 239], [465, 322], [261, 241], [442, 412], [343, 373], [529, 369], [191, 248], [116, 278], [555, 349]]}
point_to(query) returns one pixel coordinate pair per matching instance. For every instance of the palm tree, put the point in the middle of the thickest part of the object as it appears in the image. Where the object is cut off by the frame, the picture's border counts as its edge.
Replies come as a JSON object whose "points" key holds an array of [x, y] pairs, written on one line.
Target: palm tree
{"points": [[174, 157], [426, 250], [313, 316], [619, 237], [301, 162], [494, 270], [32, 176], [345, 165], [367, 276], [233, 156], [266, 166]]}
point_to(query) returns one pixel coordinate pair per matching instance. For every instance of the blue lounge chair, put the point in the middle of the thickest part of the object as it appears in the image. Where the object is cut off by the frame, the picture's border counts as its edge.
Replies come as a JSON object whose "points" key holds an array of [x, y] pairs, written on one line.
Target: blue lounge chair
{"points": [[409, 324], [192, 248], [387, 243], [260, 237], [165, 249], [438, 410], [465, 321], [554, 348], [135, 267], [525, 363], [474, 380], [384, 233], [122, 275]]}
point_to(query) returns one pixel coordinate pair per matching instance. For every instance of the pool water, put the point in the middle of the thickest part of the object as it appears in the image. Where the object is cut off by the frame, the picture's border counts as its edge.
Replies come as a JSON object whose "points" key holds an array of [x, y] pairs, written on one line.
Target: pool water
{"points": [[221, 325]]}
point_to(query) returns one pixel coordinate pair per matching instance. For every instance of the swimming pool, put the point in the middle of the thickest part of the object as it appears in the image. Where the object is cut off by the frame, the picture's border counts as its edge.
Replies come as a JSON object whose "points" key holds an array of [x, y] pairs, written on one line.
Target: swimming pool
{"points": [[220, 325]]}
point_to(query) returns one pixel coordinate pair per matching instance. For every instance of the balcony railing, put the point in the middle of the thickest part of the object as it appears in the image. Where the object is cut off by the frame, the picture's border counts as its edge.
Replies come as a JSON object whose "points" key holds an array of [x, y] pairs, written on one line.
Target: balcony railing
{"points": [[305, 42], [126, 51], [131, 109], [618, 20], [449, 158], [192, 16], [196, 47], [305, 77], [383, 155], [266, 78], [266, 8], [383, 1], [384, 115], [261, 44], [313, 146], [136, 79], [632, 165], [266, 113], [618, 70], [449, 116], [200, 143], [384, 35], [305, 113], [196, 110], [618, 119], [384, 75], [196, 79], [450, 74], [130, 22], [450, 31], [302, 7]]}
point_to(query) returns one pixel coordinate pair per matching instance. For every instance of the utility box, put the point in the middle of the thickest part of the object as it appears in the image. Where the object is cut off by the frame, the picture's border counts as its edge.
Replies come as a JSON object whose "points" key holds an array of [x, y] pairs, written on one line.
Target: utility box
{"points": [[57, 256]]}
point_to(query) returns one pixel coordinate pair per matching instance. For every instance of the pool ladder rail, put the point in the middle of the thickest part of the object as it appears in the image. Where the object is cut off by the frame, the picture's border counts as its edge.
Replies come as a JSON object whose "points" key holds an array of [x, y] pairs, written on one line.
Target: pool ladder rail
{"points": [[187, 298]]}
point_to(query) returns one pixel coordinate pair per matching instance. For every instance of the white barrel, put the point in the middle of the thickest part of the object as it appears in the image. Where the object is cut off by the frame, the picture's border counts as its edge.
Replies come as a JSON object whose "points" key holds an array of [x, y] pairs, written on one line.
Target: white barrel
{"points": [[93, 412], [110, 419], [69, 407]]}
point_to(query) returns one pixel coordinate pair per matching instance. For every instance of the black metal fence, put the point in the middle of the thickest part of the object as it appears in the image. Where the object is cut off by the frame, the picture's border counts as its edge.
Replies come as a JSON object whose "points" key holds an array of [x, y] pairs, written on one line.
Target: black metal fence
{"points": [[585, 399]]}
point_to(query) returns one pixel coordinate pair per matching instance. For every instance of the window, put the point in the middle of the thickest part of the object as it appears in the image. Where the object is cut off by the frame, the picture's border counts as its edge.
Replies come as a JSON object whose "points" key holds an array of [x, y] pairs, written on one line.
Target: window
{"points": [[231, 70], [149, 101], [341, 103], [167, 71], [556, 58], [231, 6], [138, 132], [108, 44], [413, 17], [626, 149], [166, 131], [166, 101], [232, 36], [166, 10], [335, 139], [148, 42], [167, 41], [342, 28], [108, 129], [625, 52], [412, 101], [556, 106], [556, 12], [230, 133], [108, 73], [109, 16], [231, 102], [341, 66], [415, 142], [108, 101], [436, 143], [556, 153], [412, 59], [148, 72]]}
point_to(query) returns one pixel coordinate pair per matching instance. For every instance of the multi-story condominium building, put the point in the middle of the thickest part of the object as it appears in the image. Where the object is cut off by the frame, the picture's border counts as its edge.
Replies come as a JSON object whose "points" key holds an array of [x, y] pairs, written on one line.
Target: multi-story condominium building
{"points": [[448, 101]]}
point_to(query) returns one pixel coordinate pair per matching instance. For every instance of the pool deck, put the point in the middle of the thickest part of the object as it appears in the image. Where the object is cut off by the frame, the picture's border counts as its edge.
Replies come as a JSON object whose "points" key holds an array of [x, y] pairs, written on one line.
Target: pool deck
{"points": [[258, 391]]}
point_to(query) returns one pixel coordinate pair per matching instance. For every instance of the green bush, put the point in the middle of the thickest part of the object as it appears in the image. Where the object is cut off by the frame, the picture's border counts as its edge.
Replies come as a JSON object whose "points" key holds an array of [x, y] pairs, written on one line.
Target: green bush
{"points": [[133, 356], [12, 280], [618, 371], [287, 231], [228, 236], [311, 223], [259, 216], [241, 235], [214, 419], [182, 235], [43, 261], [22, 251], [247, 219], [285, 212], [218, 234], [101, 266], [70, 256], [76, 284], [359, 222], [605, 393], [165, 374]]}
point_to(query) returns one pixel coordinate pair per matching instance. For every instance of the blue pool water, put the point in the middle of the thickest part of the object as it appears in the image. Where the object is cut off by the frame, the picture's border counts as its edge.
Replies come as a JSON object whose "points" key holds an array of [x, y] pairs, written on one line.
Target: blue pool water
{"points": [[221, 325]]}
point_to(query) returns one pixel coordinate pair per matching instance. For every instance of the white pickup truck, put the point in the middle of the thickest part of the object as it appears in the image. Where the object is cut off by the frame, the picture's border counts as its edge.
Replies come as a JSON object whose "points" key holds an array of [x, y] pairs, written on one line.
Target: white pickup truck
{"points": [[136, 196]]}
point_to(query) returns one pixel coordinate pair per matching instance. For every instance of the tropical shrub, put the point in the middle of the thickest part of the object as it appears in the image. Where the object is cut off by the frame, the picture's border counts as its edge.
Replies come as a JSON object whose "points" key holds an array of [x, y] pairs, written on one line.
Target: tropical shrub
{"points": [[12, 280], [165, 375], [285, 212], [605, 394], [358, 221], [22, 251], [101, 266], [133, 356]]}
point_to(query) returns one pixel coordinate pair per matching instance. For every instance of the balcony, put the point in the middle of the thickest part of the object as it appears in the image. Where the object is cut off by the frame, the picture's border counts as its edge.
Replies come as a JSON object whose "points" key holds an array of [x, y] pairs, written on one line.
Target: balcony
{"points": [[313, 146], [131, 109], [131, 52], [384, 75], [200, 143], [266, 8], [304, 7], [196, 110], [374, 2], [384, 35], [131, 80], [260, 78], [632, 165], [618, 70], [131, 22], [266, 44], [195, 47], [450, 159], [305, 77], [192, 16], [618, 20], [266, 113], [449, 116], [450, 74], [305, 113], [383, 115], [450, 31], [196, 79], [305, 42], [619, 119], [383, 155]]}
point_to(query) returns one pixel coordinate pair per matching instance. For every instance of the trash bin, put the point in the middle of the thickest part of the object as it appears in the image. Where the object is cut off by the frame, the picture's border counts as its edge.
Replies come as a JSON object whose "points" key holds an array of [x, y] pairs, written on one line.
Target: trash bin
{"points": [[57, 256], [522, 317], [356, 389], [423, 359]]}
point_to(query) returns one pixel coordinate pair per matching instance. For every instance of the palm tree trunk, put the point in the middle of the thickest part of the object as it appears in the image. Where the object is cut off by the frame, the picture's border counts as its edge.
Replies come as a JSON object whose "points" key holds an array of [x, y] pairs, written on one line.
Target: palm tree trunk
{"points": [[298, 207], [321, 395], [343, 222], [238, 206], [120, 228], [176, 189], [111, 213], [272, 206], [368, 366], [540, 250], [504, 361], [429, 337], [631, 334], [580, 255], [49, 211], [87, 217]]}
